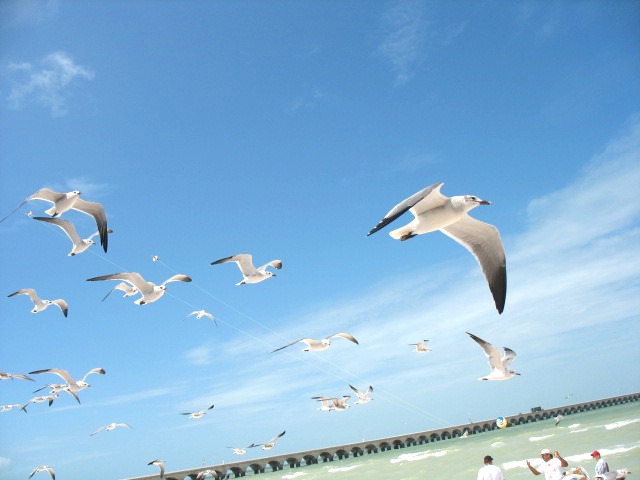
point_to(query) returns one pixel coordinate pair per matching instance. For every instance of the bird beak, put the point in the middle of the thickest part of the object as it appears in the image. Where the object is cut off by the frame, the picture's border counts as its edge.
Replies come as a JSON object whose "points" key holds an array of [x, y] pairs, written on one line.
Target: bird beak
{"points": [[485, 202]]}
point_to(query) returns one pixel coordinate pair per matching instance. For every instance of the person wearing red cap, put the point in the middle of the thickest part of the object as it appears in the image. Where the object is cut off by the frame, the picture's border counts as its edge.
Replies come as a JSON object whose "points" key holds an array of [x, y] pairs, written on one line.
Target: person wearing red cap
{"points": [[551, 466], [489, 471], [601, 466]]}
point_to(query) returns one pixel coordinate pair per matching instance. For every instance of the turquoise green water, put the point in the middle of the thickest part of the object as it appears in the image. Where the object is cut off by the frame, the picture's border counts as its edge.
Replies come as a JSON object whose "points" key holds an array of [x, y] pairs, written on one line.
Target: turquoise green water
{"points": [[614, 431]]}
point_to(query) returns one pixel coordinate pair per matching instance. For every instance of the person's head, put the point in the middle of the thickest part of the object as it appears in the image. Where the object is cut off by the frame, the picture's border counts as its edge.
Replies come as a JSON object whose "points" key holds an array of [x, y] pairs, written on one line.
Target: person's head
{"points": [[546, 454], [488, 460], [596, 455]]}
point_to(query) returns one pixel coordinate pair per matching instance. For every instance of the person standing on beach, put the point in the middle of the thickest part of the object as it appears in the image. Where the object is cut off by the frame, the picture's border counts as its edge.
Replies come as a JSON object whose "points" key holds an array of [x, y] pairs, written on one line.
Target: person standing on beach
{"points": [[551, 466], [489, 471], [601, 466]]}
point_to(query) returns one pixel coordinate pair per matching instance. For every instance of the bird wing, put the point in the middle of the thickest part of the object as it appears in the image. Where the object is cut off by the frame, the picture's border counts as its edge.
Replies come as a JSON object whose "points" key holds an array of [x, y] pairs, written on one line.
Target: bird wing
{"points": [[121, 286], [431, 200], [57, 371], [177, 278], [273, 440], [305, 340], [63, 306], [26, 291], [358, 392], [346, 336], [409, 203], [22, 376], [72, 393], [508, 357], [65, 225], [492, 353], [132, 278], [101, 428], [99, 370], [484, 242], [273, 263], [97, 212], [244, 262]]}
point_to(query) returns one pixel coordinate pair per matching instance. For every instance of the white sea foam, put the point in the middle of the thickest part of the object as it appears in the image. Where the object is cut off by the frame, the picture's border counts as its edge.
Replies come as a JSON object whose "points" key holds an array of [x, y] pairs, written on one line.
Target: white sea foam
{"points": [[621, 424], [413, 457], [574, 425], [536, 462], [578, 431], [582, 457], [342, 469], [537, 439], [497, 444], [294, 475]]}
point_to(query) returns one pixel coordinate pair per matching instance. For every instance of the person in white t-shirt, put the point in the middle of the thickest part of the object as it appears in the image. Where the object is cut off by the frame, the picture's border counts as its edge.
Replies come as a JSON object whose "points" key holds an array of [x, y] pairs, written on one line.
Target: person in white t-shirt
{"points": [[489, 471], [551, 466]]}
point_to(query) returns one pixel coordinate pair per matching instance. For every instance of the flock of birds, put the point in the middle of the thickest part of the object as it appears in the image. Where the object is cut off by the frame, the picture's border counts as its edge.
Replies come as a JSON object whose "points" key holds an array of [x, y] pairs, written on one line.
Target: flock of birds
{"points": [[432, 211]]}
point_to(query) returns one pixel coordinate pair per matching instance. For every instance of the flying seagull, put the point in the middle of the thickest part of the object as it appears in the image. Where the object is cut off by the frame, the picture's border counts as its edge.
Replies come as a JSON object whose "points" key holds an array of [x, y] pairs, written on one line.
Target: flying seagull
{"points": [[199, 414], [128, 290], [63, 202], [150, 291], [249, 273], [238, 451], [317, 345], [49, 399], [421, 347], [362, 397], [112, 426], [56, 388], [559, 418], [160, 465], [74, 386], [499, 364], [434, 211], [206, 472], [41, 305], [11, 376], [79, 244], [44, 468], [333, 403], [270, 444], [6, 408], [202, 313]]}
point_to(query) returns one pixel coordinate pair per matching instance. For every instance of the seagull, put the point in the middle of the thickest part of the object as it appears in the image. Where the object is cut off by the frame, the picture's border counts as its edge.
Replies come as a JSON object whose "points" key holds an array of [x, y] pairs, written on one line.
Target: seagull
{"points": [[421, 347], [434, 211], [199, 414], [559, 418], [615, 475], [238, 451], [49, 399], [79, 244], [56, 388], [499, 366], [155, 258], [160, 465], [204, 473], [41, 305], [150, 291], [568, 396], [202, 313], [249, 273], [112, 426], [6, 408], [332, 403], [11, 376], [128, 290], [74, 386], [44, 468], [63, 202], [363, 397], [317, 345], [270, 444]]}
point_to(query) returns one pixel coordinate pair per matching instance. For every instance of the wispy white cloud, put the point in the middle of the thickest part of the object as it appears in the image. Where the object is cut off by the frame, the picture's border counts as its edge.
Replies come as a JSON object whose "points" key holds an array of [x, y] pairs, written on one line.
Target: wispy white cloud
{"points": [[407, 35], [27, 12], [305, 101], [47, 83], [202, 355]]}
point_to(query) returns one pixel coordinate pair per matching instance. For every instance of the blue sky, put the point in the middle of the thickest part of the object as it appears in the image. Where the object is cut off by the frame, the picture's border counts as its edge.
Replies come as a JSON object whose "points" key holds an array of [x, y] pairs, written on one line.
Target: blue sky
{"points": [[287, 130]]}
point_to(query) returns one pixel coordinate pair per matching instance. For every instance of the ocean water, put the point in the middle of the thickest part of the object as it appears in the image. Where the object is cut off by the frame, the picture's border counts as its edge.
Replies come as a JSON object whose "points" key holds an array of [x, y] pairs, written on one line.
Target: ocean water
{"points": [[614, 431]]}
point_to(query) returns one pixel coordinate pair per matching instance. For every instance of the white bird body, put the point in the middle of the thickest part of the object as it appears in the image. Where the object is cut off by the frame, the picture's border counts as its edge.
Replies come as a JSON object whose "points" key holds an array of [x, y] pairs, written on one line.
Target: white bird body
{"points": [[434, 211], [129, 290], [74, 385], [6, 408], [41, 305], [238, 451], [56, 388], [112, 426], [421, 347], [63, 202], [49, 399], [150, 291], [204, 473], [270, 444], [79, 244], [319, 345], [44, 468], [199, 414], [333, 403], [203, 313], [160, 465], [559, 418], [363, 397], [250, 274], [620, 474], [499, 363]]}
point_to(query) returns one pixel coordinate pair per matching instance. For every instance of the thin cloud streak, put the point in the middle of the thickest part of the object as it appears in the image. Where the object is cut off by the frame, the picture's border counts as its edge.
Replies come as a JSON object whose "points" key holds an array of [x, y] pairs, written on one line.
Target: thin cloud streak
{"points": [[48, 84]]}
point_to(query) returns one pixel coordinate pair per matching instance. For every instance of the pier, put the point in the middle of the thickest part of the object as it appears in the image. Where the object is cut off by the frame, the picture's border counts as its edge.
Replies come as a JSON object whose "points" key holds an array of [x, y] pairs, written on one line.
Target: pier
{"points": [[357, 449]]}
